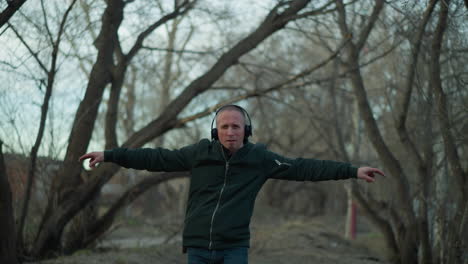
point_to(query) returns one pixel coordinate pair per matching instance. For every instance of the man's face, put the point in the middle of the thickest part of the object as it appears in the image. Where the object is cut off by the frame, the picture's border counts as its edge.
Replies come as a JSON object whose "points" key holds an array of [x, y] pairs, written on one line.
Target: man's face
{"points": [[230, 124]]}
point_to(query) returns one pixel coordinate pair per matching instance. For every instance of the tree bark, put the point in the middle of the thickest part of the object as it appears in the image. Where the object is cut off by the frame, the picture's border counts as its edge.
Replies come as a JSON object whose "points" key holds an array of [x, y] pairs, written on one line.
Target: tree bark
{"points": [[7, 222]]}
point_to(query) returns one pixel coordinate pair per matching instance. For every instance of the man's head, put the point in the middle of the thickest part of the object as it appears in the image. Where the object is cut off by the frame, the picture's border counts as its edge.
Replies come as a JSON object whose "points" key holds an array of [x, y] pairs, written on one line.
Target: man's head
{"points": [[230, 124]]}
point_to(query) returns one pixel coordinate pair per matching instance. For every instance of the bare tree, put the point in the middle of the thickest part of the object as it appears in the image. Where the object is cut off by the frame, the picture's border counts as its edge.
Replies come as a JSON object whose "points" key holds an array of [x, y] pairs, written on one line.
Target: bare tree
{"points": [[51, 74]]}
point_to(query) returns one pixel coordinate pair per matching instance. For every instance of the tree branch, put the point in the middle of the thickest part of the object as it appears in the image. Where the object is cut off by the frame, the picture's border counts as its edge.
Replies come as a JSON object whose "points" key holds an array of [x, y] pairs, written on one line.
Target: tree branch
{"points": [[319, 11], [411, 69], [209, 110], [34, 54], [370, 24], [11, 9], [46, 22], [178, 51], [179, 10]]}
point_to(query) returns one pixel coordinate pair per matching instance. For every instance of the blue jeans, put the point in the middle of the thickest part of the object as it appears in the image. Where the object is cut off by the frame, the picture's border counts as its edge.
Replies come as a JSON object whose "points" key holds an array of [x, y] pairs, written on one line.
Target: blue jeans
{"points": [[238, 255]]}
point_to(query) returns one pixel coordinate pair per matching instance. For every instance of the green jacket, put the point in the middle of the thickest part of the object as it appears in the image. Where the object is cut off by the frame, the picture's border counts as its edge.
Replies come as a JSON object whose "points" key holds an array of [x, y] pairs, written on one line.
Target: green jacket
{"points": [[223, 190]]}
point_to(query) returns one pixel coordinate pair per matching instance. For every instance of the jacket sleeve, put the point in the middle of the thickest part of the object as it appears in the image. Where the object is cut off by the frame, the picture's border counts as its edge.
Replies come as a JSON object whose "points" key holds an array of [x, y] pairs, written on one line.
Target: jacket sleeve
{"points": [[300, 169], [153, 159]]}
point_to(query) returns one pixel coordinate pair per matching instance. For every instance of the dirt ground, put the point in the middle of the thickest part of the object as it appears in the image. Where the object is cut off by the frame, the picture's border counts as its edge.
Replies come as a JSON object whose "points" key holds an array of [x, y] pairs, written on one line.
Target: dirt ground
{"points": [[275, 240]]}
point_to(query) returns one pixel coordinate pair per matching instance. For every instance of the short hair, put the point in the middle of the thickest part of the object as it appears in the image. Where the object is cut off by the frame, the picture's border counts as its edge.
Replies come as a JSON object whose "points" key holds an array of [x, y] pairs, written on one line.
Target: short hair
{"points": [[232, 108]]}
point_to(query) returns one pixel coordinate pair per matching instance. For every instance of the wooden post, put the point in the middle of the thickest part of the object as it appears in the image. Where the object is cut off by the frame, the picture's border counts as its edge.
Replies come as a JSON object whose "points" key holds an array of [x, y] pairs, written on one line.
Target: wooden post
{"points": [[351, 217]]}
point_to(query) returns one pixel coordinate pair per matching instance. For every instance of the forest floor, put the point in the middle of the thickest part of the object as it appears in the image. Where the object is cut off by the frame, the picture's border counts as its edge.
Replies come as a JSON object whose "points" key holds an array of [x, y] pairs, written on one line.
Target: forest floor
{"points": [[275, 240]]}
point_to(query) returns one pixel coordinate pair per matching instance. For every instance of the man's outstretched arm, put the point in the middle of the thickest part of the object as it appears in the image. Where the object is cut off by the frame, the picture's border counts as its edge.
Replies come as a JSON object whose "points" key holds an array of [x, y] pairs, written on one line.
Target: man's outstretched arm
{"points": [[151, 159], [300, 169]]}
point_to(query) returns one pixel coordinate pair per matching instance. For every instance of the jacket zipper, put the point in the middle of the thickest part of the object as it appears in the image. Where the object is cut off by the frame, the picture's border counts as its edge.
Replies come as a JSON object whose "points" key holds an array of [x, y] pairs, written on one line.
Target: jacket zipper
{"points": [[219, 198]]}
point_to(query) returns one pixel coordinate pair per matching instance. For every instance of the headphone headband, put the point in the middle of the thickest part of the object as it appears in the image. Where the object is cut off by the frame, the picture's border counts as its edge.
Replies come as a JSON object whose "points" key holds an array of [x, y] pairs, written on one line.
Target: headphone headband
{"points": [[247, 128]]}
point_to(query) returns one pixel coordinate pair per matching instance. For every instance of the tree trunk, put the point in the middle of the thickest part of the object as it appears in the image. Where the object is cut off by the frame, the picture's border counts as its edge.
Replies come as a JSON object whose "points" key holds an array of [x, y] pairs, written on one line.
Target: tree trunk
{"points": [[423, 167], [82, 226], [456, 233], [407, 237], [7, 222], [68, 178], [372, 212]]}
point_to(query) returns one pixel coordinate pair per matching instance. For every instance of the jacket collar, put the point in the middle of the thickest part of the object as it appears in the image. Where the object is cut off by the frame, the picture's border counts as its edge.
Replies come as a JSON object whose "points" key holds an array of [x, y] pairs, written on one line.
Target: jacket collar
{"points": [[238, 155]]}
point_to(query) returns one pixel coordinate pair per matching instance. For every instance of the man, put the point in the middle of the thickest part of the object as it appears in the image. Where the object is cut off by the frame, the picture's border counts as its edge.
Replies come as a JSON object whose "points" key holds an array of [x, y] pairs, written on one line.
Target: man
{"points": [[227, 173]]}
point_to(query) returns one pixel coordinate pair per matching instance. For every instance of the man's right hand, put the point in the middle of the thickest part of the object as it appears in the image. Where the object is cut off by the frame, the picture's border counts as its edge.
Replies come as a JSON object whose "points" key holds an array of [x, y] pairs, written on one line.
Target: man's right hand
{"points": [[95, 157]]}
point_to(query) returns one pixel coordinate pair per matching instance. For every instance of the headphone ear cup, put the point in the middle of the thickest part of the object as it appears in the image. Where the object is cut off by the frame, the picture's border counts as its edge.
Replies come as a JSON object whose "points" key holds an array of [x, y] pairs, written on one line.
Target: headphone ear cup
{"points": [[214, 134], [248, 131]]}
